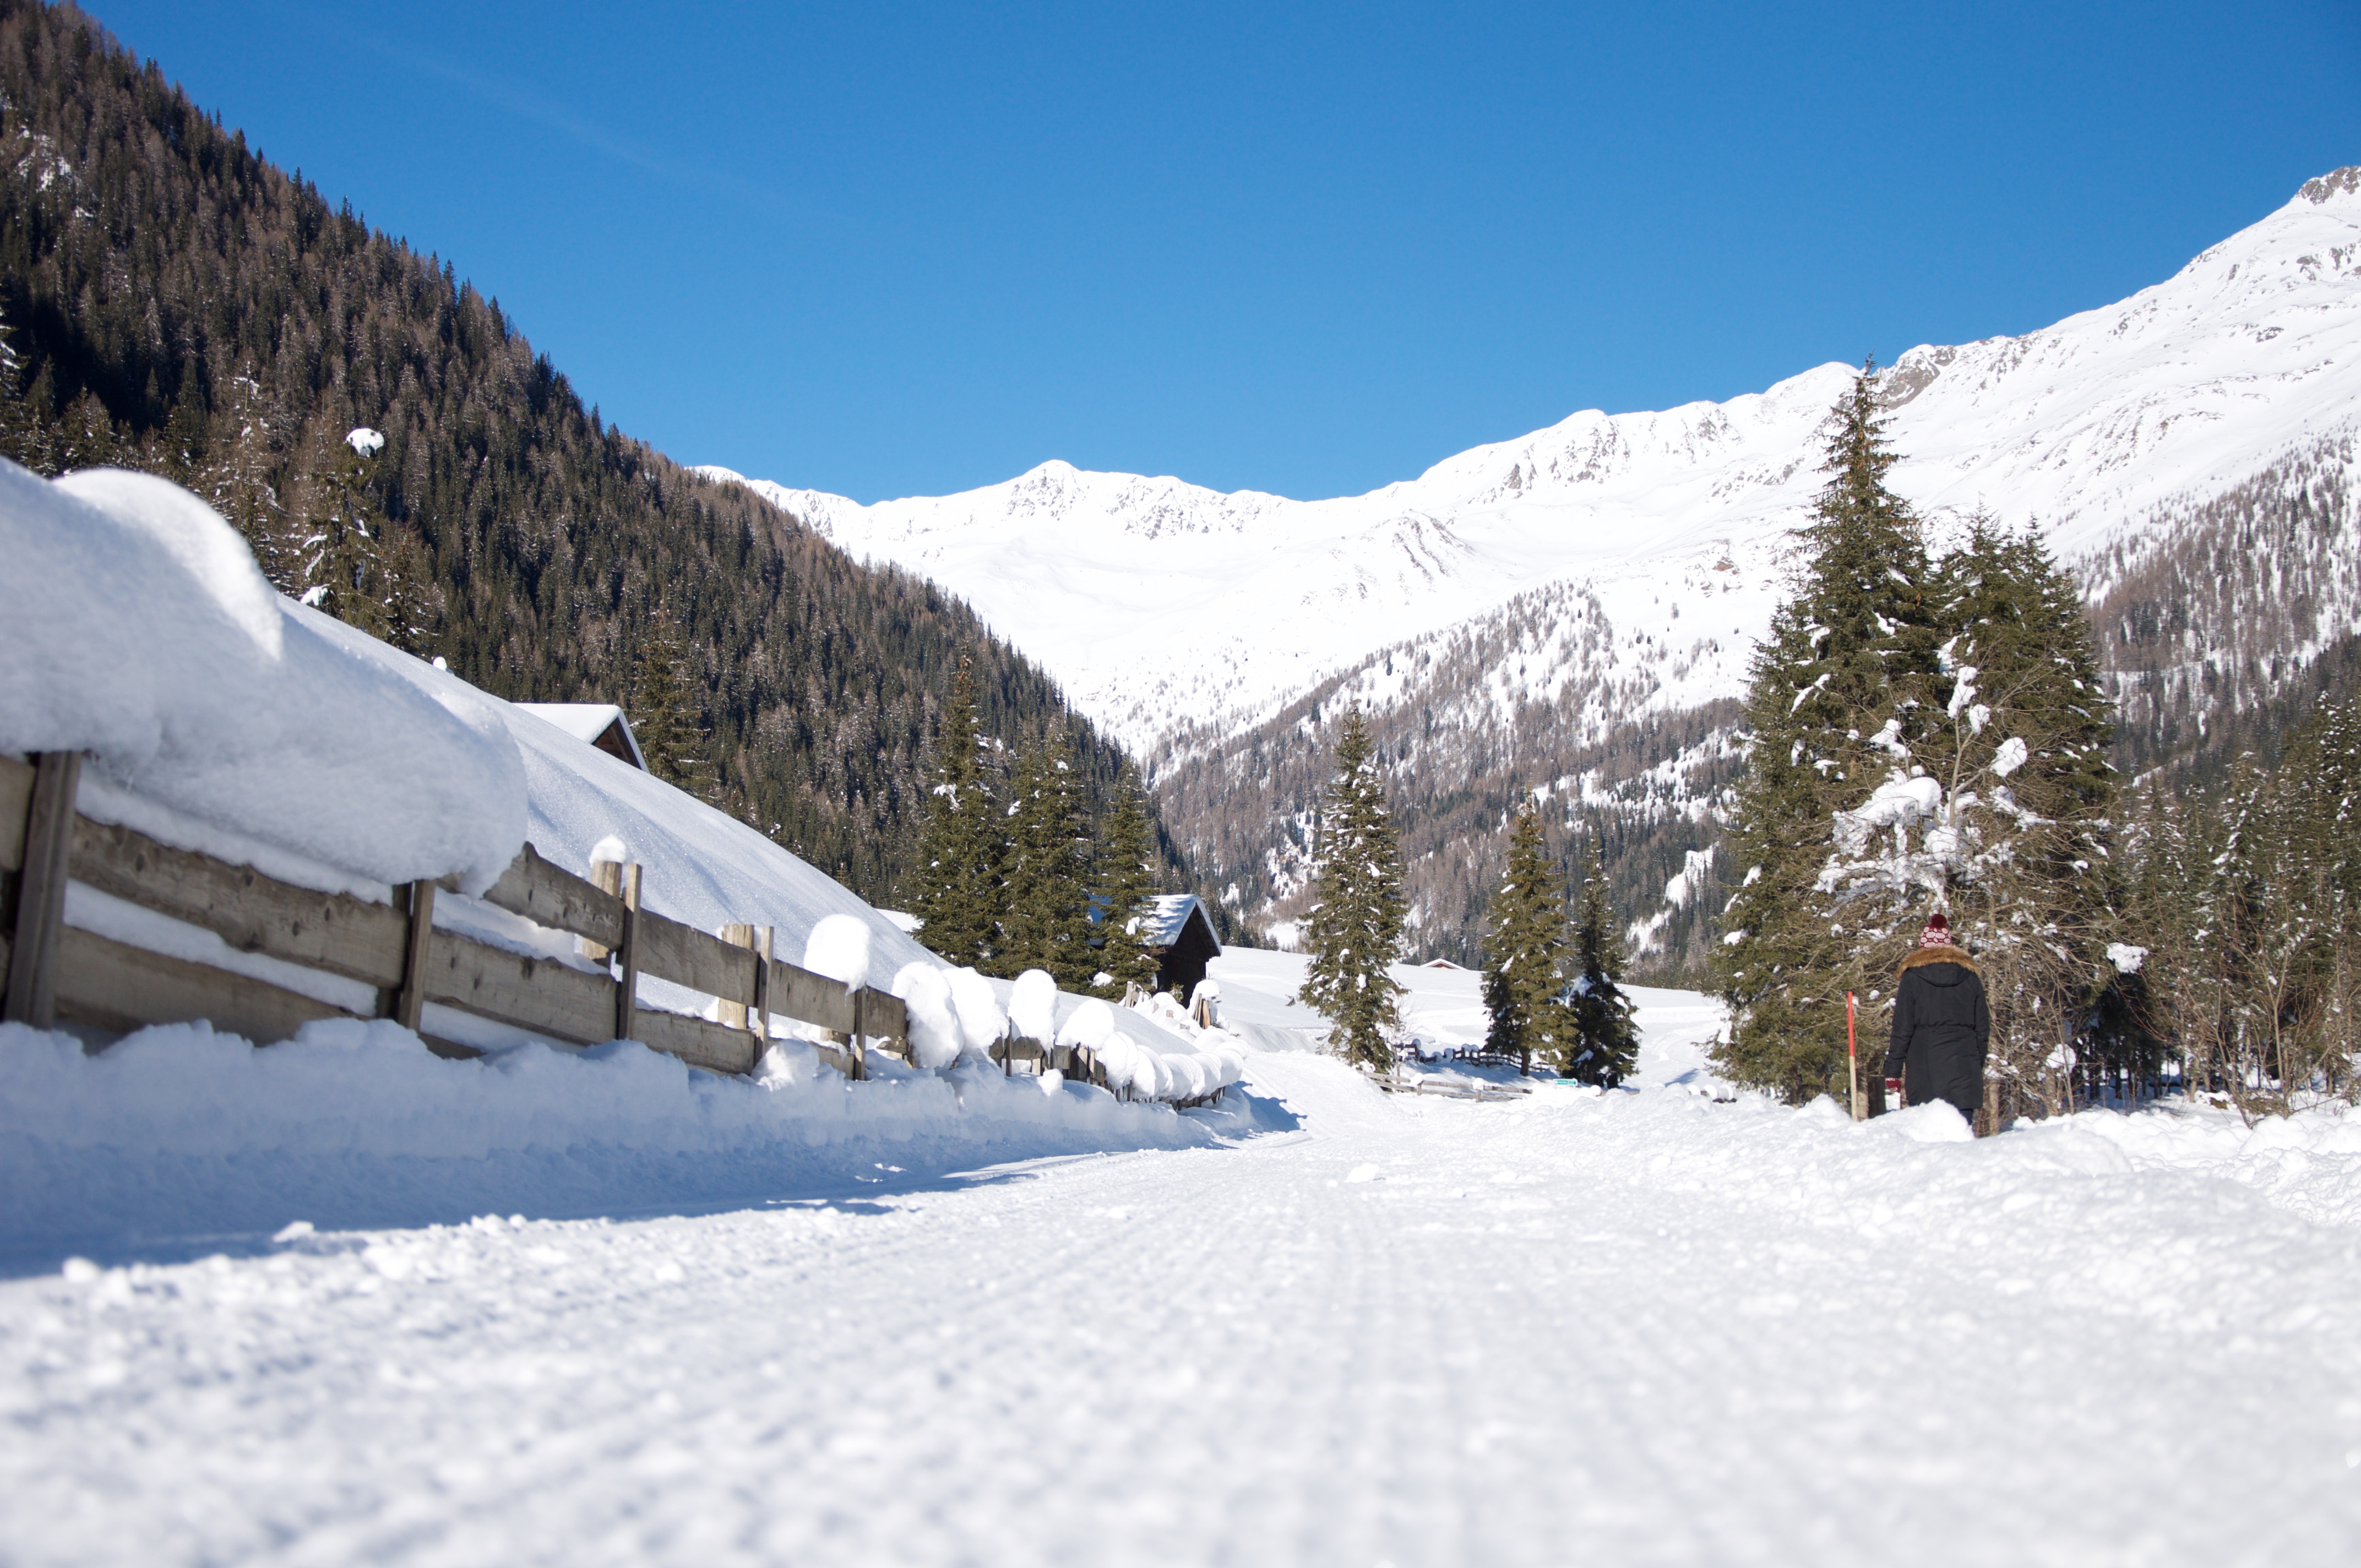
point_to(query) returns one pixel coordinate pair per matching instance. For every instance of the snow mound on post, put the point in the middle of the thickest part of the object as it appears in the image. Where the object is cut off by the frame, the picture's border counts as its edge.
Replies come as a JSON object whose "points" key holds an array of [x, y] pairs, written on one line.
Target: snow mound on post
{"points": [[140, 631], [1033, 1005], [838, 948], [926, 990], [980, 1019]]}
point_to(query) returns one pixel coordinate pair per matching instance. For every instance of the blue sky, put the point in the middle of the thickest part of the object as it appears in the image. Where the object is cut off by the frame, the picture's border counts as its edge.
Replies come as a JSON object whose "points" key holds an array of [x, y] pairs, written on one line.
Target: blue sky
{"points": [[892, 249]]}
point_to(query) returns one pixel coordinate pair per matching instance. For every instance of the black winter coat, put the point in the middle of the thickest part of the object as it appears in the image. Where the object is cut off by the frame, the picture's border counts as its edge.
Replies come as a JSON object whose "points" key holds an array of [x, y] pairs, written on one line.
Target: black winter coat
{"points": [[1941, 1030]]}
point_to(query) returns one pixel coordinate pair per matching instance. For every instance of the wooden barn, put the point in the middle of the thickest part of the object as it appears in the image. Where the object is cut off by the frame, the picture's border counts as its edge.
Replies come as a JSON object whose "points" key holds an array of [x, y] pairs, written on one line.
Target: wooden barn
{"points": [[1180, 937], [600, 723]]}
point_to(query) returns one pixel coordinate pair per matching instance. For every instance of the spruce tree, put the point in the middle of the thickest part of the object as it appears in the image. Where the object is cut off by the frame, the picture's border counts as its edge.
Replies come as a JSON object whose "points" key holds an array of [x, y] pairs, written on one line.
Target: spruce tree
{"points": [[1046, 919], [1845, 683], [664, 715], [1605, 1035], [1525, 951], [2020, 848], [349, 565], [955, 888], [1127, 889], [1353, 930], [24, 438], [247, 444]]}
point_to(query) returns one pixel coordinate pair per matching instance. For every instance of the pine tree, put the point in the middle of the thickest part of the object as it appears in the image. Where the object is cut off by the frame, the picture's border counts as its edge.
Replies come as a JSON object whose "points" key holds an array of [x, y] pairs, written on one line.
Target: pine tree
{"points": [[1525, 951], [1845, 683], [24, 438], [956, 887], [245, 445], [87, 436], [1046, 921], [1353, 930], [1607, 1036], [1127, 889], [349, 564], [663, 718], [2019, 847]]}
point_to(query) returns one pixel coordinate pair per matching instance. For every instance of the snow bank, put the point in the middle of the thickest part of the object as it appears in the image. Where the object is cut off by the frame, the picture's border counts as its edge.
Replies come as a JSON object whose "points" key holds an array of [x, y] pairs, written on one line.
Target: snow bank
{"points": [[2309, 1164], [139, 629], [182, 1133]]}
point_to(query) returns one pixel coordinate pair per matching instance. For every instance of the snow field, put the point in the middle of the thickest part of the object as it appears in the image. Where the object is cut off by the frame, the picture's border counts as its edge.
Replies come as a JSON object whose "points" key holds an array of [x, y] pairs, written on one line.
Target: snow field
{"points": [[1640, 1327], [178, 1140]]}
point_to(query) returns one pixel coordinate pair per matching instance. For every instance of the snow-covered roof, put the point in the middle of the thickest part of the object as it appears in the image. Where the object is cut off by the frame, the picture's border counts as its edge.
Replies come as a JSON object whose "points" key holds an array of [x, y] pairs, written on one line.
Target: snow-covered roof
{"points": [[1171, 916], [590, 721]]}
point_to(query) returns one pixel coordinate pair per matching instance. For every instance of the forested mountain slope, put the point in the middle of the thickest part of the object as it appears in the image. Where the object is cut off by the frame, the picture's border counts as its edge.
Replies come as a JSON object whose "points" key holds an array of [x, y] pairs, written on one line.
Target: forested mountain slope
{"points": [[174, 301]]}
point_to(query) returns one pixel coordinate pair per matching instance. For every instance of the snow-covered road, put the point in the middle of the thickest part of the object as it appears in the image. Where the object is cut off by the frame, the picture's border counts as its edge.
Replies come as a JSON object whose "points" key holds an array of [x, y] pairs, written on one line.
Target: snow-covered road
{"points": [[1641, 1329]]}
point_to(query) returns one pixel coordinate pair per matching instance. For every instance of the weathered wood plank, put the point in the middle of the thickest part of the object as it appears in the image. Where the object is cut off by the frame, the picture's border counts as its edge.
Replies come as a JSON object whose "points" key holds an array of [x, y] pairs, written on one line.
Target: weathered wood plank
{"points": [[883, 1015], [1016, 1048], [739, 934], [540, 994], [37, 916], [107, 985], [252, 912], [687, 956], [700, 1042], [627, 952], [417, 944], [16, 800], [809, 998], [549, 895]]}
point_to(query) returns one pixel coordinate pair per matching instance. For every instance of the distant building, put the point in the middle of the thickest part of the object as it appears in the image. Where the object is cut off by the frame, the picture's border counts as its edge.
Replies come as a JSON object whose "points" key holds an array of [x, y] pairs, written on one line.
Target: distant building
{"points": [[1180, 937], [602, 724]]}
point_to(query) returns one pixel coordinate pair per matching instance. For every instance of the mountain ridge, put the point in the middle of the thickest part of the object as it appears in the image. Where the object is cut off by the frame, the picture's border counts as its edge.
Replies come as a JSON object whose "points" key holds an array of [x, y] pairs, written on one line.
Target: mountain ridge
{"points": [[1517, 613], [2121, 398]]}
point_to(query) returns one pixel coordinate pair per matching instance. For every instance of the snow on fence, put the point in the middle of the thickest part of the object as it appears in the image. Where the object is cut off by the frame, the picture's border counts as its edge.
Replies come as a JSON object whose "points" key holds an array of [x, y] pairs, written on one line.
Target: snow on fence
{"points": [[60, 974]]}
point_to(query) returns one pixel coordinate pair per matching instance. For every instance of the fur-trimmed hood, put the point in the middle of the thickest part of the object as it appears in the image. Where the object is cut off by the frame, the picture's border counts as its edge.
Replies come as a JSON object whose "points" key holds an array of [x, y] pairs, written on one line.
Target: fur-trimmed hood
{"points": [[1939, 956]]}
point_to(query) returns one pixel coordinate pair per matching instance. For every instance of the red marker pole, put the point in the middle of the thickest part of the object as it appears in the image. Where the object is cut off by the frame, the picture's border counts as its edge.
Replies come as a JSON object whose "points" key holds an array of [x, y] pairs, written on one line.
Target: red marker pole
{"points": [[1853, 1057]]}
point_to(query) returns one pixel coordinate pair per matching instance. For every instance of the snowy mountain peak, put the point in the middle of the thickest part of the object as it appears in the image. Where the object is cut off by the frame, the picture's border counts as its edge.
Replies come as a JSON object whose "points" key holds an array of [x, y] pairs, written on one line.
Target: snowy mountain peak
{"points": [[2345, 181], [1166, 607]]}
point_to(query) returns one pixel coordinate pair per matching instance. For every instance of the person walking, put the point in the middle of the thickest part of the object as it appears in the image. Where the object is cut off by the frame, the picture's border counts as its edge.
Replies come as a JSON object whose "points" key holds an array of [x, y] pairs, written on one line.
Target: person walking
{"points": [[1941, 1027]]}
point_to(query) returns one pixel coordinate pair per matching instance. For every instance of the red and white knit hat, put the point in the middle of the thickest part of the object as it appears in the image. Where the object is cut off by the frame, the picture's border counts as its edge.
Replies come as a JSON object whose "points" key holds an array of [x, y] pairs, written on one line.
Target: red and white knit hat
{"points": [[1937, 933]]}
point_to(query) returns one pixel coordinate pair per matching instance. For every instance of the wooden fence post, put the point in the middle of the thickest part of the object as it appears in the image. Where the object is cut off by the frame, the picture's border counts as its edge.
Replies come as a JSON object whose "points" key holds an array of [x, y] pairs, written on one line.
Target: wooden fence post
{"points": [[607, 876], [410, 997], [627, 989], [738, 934], [41, 891], [762, 1013], [860, 1043]]}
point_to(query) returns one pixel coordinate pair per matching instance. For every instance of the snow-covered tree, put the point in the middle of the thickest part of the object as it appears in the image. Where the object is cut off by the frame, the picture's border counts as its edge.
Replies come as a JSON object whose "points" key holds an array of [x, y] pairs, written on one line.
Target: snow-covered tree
{"points": [[1847, 681], [1525, 952], [1354, 930], [1606, 1045], [353, 567]]}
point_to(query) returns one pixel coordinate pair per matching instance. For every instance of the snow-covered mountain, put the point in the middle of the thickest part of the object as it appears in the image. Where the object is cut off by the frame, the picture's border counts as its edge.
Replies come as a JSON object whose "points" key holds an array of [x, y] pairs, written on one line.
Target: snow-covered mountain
{"points": [[1163, 606], [1512, 614]]}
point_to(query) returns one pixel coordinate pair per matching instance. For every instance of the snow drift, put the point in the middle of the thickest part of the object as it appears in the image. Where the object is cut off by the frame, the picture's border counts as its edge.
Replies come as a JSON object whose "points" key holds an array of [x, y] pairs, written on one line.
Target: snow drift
{"points": [[178, 1137], [140, 631]]}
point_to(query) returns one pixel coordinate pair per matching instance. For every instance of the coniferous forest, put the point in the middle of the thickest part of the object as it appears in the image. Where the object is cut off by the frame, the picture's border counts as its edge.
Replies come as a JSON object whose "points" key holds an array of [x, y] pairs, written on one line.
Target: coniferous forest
{"points": [[1932, 735], [174, 301]]}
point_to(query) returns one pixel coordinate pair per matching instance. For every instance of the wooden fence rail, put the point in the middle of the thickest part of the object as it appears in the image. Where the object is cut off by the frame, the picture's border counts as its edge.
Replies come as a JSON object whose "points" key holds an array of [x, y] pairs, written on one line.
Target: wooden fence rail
{"points": [[58, 973]]}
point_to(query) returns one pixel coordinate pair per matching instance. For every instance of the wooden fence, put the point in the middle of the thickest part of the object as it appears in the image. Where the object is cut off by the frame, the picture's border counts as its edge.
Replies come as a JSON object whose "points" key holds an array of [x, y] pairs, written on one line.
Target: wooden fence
{"points": [[57, 973], [60, 974]]}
